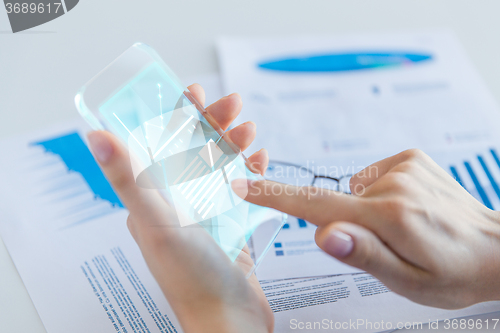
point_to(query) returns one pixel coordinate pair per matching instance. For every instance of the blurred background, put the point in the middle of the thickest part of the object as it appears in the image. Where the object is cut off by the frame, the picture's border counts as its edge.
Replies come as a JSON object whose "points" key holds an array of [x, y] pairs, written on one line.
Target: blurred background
{"points": [[42, 68]]}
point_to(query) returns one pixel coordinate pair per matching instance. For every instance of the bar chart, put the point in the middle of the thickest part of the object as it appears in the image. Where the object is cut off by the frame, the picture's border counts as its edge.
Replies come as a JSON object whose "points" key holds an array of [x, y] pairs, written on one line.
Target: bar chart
{"points": [[479, 173], [64, 170]]}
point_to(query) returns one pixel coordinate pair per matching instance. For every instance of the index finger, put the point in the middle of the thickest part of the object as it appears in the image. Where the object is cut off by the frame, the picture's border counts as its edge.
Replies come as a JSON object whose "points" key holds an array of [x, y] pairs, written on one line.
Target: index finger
{"points": [[314, 204]]}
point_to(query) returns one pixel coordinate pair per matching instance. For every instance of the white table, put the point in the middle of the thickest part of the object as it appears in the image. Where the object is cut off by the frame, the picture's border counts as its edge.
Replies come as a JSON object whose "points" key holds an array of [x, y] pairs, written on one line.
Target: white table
{"points": [[41, 69]]}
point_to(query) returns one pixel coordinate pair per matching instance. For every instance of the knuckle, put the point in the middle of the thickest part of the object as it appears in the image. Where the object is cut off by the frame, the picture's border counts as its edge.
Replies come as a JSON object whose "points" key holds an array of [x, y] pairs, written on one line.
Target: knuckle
{"points": [[412, 154], [355, 181], [408, 167], [359, 189], [395, 209], [398, 181], [368, 172], [120, 181], [157, 241], [152, 239], [132, 227], [416, 156], [146, 235], [130, 222]]}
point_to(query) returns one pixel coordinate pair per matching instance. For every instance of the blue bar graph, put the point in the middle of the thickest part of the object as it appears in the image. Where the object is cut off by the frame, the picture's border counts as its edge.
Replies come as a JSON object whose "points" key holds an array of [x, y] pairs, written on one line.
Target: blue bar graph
{"points": [[489, 175], [495, 156], [77, 157], [478, 186], [454, 172]]}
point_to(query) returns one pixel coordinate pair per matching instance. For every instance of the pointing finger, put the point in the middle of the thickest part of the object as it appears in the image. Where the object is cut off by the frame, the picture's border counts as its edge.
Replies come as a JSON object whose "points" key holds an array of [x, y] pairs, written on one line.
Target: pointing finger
{"points": [[316, 205]]}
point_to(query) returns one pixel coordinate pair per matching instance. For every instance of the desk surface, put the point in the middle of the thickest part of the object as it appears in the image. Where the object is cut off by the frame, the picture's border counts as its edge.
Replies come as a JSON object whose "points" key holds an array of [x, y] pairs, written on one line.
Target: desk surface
{"points": [[42, 68]]}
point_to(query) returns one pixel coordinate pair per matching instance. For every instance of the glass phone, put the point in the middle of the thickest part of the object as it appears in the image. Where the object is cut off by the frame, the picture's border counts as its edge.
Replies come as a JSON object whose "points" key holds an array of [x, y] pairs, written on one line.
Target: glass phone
{"points": [[176, 147]]}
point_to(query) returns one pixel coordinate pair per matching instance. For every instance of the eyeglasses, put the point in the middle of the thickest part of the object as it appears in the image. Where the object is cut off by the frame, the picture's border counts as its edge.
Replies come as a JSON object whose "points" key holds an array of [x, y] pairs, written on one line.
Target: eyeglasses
{"points": [[298, 175]]}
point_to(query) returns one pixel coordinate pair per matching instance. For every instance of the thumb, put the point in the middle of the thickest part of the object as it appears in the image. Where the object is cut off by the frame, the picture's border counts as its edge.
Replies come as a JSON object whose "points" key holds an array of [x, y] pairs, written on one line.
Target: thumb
{"points": [[114, 161], [359, 247]]}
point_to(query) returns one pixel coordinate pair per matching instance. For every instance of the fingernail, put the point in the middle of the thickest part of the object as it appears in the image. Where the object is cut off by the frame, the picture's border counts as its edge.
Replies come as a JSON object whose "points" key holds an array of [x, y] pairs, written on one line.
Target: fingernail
{"points": [[338, 244], [233, 94], [251, 123], [250, 183], [100, 146], [242, 186], [239, 184]]}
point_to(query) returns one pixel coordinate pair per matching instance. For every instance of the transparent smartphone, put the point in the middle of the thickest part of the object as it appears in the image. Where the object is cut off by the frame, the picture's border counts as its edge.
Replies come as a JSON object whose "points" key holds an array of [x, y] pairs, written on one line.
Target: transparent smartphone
{"points": [[177, 148]]}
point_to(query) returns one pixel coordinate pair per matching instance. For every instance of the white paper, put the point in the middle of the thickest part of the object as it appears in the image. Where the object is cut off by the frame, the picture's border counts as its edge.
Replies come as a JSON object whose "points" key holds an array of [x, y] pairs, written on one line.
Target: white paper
{"points": [[351, 303], [300, 117]]}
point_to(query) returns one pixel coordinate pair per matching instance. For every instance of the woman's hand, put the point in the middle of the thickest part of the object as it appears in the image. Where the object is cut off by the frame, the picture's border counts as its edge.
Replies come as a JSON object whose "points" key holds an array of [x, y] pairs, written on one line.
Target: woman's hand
{"points": [[207, 292], [408, 223]]}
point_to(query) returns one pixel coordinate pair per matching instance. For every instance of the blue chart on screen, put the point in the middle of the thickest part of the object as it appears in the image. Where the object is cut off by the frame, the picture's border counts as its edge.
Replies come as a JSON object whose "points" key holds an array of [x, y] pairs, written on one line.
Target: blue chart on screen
{"points": [[342, 62], [77, 158], [477, 176]]}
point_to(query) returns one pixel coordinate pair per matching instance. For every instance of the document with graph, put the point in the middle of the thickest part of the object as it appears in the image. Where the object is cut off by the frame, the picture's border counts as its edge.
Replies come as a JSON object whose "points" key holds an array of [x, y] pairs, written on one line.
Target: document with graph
{"points": [[320, 96], [65, 229]]}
